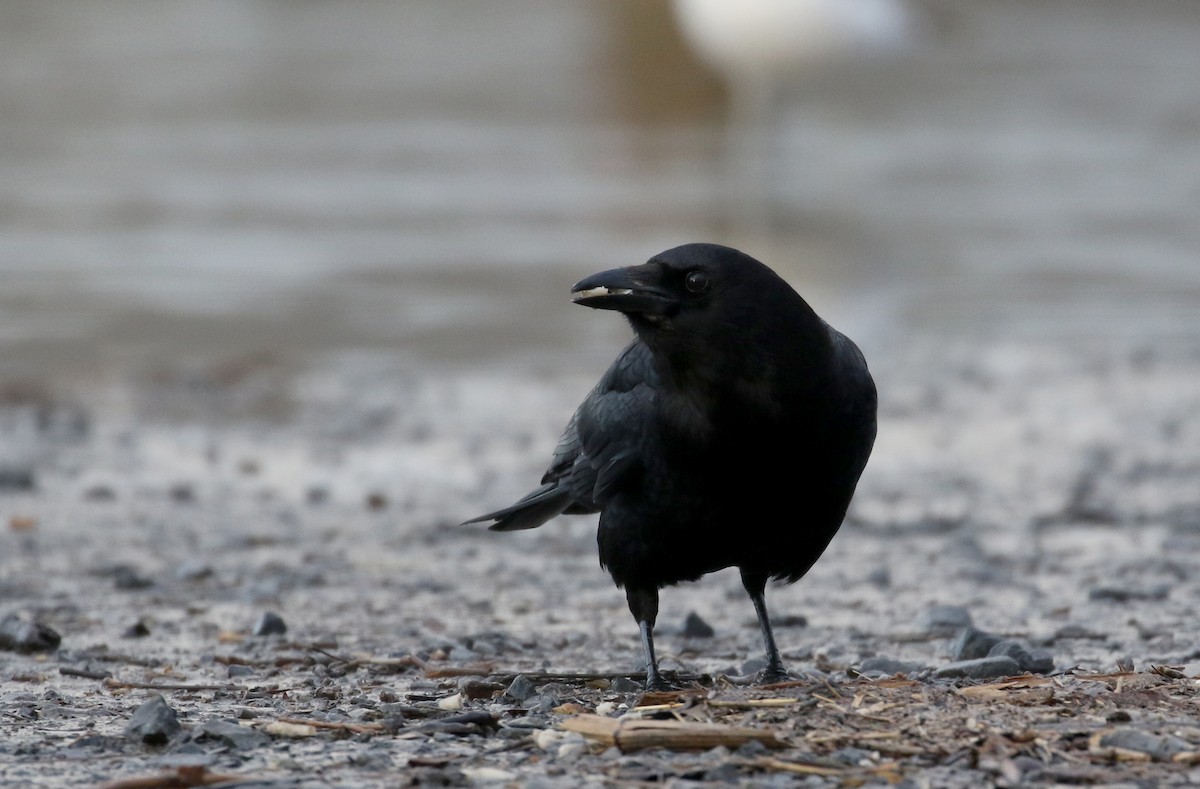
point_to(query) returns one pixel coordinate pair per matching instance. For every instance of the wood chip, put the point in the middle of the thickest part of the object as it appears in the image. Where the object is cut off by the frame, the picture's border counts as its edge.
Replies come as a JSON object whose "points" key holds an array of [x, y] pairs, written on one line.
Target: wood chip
{"points": [[179, 778], [635, 734]]}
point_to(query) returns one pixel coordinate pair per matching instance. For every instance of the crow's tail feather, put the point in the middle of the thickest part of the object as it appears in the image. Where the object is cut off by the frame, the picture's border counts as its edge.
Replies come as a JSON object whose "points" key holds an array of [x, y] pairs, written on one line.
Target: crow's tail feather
{"points": [[530, 512]]}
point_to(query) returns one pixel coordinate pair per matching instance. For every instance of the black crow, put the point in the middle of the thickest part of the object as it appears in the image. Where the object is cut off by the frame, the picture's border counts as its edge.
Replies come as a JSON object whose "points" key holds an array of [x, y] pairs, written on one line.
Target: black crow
{"points": [[730, 433]]}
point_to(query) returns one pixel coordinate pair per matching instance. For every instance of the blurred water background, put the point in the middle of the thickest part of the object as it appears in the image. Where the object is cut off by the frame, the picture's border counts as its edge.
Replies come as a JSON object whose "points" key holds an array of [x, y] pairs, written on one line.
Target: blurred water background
{"points": [[423, 181]]}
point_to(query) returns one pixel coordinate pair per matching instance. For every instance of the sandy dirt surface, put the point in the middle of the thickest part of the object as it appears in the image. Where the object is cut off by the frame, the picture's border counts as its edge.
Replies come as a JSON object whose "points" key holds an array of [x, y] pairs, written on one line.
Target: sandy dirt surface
{"points": [[1047, 491]]}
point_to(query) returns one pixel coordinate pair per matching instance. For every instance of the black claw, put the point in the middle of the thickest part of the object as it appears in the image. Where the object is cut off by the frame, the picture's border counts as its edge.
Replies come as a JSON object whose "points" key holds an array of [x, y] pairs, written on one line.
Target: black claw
{"points": [[771, 675], [659, 685]]}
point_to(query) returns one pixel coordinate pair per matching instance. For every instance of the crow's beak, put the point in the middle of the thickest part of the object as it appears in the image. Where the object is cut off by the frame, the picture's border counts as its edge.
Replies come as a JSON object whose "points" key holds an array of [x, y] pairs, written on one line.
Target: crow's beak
{"points": [[628, 290]]}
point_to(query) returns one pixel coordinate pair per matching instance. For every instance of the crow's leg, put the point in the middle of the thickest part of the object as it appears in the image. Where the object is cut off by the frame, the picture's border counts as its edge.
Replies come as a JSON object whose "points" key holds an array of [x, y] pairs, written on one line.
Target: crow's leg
{"points": [[756, 586], [643, 604]]}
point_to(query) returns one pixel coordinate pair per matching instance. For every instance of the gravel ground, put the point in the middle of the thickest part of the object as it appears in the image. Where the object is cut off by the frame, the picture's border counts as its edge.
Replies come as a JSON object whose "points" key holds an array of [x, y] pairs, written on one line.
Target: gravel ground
{"points": [[1043, 492]]}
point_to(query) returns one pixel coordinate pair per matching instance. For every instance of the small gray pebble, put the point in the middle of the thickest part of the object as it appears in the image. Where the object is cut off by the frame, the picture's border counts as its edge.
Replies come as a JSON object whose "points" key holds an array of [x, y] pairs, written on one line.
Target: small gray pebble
{"points": [[943, 620], [851, 757], [234, 670], [193, 570], [461, 654], [231, 734], [1124, 594], [137, 630], [880, 577], [1078, 631], [695, 627], [625, 685], [153, 723], [1161, 747], [752, 666], [20, 478], [127, 578], [887, 667], [972, 643], [270, 624], [521, 689], [27, 635], [1037, 661], [980, 668]]}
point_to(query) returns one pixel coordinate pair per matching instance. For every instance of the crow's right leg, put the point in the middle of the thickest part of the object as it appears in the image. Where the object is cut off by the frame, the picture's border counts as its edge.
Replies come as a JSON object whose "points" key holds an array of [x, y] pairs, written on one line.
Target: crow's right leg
{"points": [[643, 604]]}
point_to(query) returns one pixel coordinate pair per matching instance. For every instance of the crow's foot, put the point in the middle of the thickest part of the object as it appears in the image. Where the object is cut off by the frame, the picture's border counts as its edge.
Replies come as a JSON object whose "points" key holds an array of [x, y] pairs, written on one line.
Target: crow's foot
{"points": [[772, 674]]}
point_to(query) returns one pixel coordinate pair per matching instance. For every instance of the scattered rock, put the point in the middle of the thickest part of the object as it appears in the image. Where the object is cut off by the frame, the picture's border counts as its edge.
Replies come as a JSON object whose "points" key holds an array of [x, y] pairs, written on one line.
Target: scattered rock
{"points": [[182, 493], [980, 668], [127, 578], [1123, 594], [972, 644], [888, 667], [1077, 631], [16, 478], [1036, 661], [752, 666], [521, 689], [242, 738], [625, 685], [695, 627], [137, 630], [943, 620], [880, 577], [1160, 747], [270, 624], [235, 670], [100, 492], [19, 634], [376, 501], [153, 723], [193, 570]]}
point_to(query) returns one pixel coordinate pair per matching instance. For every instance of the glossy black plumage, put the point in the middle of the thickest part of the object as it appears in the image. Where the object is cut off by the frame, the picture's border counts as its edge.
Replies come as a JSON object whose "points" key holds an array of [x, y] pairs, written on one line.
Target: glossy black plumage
{"points": [[731, 432]]}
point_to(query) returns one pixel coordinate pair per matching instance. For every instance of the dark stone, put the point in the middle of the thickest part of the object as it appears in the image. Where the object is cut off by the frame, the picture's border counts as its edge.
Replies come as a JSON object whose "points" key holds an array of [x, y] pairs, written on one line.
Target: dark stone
{"points": [[943, 620], [521, 689], [1037, 661], [182, 493], [852, 757], [18, 634], [137, 630], [980, 668], [241, 738], [625, 685], [1077, 631], [193, 570], [100, 493], [127, 578], [1122, 594], [153, 723], [16, 478], [880, 577], [752, 666], [270, 624], [1160, 747], [234, 670], [887, 667], [695, 627], [972, 644]]}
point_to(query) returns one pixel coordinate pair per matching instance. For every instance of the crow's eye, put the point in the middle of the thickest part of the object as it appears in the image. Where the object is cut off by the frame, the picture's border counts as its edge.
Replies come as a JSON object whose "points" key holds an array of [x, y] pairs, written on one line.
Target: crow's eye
{"points": [[696, 282]]}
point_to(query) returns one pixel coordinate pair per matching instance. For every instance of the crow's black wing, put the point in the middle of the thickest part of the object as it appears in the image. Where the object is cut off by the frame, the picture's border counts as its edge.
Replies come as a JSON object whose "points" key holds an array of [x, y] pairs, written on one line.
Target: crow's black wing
{"points": [[601, 446]]}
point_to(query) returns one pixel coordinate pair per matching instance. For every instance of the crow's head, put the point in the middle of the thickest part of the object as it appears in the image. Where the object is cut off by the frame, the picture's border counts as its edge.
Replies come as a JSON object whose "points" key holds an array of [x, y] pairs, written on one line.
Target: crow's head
{"points": [[702, 291]]}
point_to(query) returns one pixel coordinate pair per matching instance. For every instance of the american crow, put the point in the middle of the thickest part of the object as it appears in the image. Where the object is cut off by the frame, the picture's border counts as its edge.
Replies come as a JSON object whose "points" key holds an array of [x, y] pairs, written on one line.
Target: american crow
{"points": [[730, 433]]}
